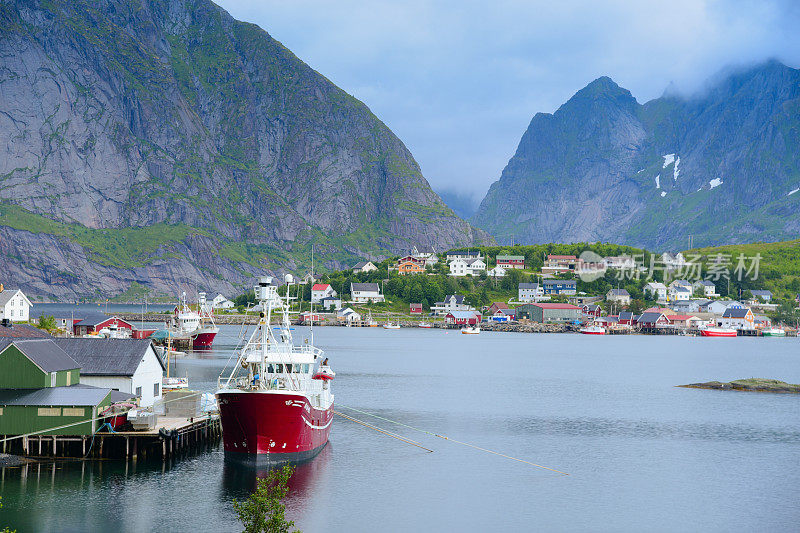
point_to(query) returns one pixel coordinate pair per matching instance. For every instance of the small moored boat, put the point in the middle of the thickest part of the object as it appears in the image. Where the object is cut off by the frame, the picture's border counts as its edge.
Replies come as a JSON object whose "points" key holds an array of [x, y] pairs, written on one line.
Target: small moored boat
{"points": [[470, 330], [593, 330], [426, 325], [389, 325], [774, 332]]}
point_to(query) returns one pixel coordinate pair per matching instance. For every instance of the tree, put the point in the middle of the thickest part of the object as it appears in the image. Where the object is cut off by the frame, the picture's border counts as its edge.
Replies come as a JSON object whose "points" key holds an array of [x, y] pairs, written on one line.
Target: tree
{"points": [[47, 323], [264, 511]]}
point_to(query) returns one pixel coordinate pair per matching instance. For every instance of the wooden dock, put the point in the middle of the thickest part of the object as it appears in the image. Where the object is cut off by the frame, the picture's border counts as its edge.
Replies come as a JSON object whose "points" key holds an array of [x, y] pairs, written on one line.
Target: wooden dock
{"points": [[169, 437]]}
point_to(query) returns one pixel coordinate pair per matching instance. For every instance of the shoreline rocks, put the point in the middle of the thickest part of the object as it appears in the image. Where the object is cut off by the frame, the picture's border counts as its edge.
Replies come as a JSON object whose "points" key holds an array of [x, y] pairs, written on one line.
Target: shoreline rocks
{"points": [[750, 385]]}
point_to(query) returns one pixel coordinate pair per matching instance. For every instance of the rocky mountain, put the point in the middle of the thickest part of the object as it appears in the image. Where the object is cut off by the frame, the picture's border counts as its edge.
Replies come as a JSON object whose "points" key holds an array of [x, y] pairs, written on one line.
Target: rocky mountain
{"points": [[163, 145], [722, 165]]}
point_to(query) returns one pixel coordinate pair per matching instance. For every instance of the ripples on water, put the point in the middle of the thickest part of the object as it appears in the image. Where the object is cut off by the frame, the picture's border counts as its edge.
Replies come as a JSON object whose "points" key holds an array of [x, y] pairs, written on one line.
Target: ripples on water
{"points": [[641, 453]]}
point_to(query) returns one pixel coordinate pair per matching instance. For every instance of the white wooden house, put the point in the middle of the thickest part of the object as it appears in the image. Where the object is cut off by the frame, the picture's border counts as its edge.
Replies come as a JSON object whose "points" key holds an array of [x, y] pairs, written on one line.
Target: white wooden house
{"points": [[320, 291], [365, 292], [14, 305]]}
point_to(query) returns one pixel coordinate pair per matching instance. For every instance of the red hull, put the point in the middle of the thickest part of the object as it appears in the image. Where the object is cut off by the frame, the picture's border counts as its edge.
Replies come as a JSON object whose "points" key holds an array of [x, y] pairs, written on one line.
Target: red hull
{"points": [[706, 333], [272, 427], [203, 340]]}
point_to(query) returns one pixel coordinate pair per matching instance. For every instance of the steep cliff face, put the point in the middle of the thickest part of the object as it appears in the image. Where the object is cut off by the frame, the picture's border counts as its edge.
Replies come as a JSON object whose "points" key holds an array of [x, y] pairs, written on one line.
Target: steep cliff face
{"points": [[129, 114], [720, 166]]}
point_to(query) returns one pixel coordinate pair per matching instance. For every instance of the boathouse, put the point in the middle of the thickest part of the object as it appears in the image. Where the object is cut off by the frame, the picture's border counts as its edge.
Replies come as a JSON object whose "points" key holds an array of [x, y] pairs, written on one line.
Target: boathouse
{"points": [[549, 312], [463, 318], [40, 389], [93, 323], [125, 365]]}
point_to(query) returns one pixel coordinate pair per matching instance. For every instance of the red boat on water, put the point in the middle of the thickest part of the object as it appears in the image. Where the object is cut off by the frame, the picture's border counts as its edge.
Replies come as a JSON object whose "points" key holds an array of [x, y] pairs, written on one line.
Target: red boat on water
{"points": [[197, 326], [713, 331], [276, 405]]}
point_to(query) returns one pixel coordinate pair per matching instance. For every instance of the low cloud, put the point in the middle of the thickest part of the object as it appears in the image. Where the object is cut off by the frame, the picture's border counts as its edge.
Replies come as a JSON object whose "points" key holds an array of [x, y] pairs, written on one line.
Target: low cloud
{"points": [[458, 81]]}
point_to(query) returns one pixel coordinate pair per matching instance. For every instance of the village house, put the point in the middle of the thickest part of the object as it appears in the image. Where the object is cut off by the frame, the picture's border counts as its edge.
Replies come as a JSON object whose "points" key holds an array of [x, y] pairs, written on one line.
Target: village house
{"points": [[718, 307], [678, 293], [320, 291], [497, 272], [619, 296], [452, 255], [673, 261], [496, 306], [738, 318], [465, 318], [14, 305], [652, 320], [307, 317], [366, 292], [707, 288], [606, 321], [410, 267], [348, 315], [415, 309], [529, 292], [10, 330], [656, 290], [567, 287], [511, 261], [684, 321], [333, 303], [426, 253], [220, 302], [549, 312], [503, 315], [467, 267], [364, 266], [125, 365], [762, 295], [626, 318], [452, 302], [559, 264], [309, 278], [688, 306], [591, 310]]}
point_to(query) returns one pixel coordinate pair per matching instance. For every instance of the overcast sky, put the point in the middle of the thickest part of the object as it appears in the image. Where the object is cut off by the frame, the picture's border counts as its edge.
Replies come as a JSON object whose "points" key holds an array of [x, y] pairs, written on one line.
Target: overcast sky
{"points": [[458, 81]]}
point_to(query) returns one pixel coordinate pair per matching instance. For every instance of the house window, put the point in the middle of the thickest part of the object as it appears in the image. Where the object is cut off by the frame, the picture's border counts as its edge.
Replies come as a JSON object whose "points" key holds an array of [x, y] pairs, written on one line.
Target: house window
{"points": [[139, 392], [53, 376], [1, 411], [74, 411], [69, 379], [156, 389], [12, 312], [49, 411]]}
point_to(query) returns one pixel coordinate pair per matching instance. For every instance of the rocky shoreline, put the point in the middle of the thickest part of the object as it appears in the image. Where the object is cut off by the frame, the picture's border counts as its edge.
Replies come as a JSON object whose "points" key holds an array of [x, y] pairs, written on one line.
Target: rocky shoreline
{"points": [[750, 385]]}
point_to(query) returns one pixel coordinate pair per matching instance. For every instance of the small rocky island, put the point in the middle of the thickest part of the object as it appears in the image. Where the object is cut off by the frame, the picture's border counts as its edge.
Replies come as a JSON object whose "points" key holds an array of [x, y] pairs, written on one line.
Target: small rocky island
{"points": [[752, 384]]}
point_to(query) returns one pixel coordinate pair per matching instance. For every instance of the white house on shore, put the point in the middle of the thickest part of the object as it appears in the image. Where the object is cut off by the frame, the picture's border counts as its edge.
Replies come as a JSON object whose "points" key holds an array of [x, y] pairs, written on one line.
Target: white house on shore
{"points": [[365, 292], [364, 266], [452, 302], [14, 305], [467, 267], [125, 365], [220, 302], [656, 290], [529, 292], [320, 291], [709, 290]]}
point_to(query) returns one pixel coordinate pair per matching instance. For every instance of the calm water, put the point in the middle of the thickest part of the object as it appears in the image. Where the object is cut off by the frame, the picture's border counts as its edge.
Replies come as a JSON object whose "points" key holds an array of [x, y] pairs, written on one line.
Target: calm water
{"points": [[60, 309], [640, 452]]}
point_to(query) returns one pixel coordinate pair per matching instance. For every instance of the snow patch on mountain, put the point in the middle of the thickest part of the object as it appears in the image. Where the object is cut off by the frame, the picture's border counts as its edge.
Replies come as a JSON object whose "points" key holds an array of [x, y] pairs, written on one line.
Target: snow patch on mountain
{"points": [[716, 182], [663, 194], [675, 170], [658, 183], [668, 160], [792, 192]]}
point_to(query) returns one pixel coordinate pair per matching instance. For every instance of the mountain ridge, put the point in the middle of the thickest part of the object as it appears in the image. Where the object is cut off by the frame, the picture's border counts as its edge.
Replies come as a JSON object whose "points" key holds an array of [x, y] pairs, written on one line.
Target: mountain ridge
{"points": [[716, 165], [125, 114]]}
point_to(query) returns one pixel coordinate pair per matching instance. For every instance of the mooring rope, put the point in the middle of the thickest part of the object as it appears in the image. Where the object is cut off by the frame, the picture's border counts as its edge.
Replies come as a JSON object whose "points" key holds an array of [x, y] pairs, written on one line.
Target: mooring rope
{"points": [[385, 432], [451, 439]]}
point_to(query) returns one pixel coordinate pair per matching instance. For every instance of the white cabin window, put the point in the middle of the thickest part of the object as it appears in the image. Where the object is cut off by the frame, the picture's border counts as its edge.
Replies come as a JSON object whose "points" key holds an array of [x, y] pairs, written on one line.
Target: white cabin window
{"points": [[279, 368], [139, 392], [49, 411], [53, 376], [74, 411], [156, 389], [305, 369], [69, 379]]}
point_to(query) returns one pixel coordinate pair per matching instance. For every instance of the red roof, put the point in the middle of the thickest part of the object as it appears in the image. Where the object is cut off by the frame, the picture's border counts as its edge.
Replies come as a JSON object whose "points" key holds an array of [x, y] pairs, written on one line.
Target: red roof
{"points": [[499, 305], [679, 317], [556, 306], [561, 257], [320, 287], [666, 311]]}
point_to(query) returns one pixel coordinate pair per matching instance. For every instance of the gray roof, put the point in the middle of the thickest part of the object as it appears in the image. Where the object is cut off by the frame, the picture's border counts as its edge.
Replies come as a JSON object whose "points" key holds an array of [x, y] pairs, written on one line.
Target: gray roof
{"points": [[360, 265], [458, 297], [107, 357], [560, 282], [7, 294], [619, 292], [94, 319], [44, 353], [650, 317], [761, 292], [22, 331], [465, 252], [67, 396], [367, 287], [532, 286], [706, 283], [735, 312], [625, 315], [682, 288]]}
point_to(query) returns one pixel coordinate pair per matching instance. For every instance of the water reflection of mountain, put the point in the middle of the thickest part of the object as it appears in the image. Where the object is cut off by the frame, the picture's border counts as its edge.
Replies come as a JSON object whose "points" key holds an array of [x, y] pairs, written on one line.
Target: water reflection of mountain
{"points": [[239, 480]]}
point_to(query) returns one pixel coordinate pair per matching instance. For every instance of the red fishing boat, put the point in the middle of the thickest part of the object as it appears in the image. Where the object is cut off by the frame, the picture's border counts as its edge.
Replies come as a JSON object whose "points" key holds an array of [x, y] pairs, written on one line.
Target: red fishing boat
{"points": [[713, 331], [276, 404]]}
